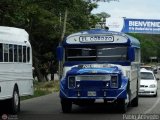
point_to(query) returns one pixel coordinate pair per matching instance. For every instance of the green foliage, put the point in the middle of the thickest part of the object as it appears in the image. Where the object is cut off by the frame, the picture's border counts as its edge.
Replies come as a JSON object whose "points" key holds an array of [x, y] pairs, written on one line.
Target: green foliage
{"points": [[149, 46], [43, 20], [43, 88]]}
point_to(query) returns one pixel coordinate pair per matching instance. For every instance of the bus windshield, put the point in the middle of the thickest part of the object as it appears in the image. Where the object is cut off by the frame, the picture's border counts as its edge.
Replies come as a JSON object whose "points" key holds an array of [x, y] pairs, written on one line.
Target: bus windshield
{"points": [[97, 53]]}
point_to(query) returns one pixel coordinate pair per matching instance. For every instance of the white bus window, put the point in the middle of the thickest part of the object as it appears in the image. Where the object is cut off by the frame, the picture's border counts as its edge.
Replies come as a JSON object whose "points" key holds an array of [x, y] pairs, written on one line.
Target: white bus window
{"points": [[1, 52], [15, 53], [24, 54], [10, 53], [20, 53], [28, 54], [6, 52]]}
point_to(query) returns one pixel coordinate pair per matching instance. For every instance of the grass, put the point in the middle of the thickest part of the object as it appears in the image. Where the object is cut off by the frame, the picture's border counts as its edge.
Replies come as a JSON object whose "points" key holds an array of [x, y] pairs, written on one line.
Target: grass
{"points": [[43, 88]]}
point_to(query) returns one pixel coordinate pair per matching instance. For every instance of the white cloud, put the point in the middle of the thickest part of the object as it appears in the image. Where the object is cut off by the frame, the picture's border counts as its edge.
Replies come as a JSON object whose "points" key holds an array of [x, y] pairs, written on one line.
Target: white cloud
{"points": [[131, 9]]}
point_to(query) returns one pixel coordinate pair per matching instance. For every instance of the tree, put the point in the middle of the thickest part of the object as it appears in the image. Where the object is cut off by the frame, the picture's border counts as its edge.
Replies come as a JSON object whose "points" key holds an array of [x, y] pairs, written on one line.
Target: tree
{"points": [[42, 19], [149, 46], [103, 16]]}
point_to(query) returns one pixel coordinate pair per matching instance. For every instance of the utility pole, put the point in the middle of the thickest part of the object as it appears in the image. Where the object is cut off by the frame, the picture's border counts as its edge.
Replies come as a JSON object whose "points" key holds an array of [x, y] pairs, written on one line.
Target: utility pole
{"points": [[64, 24]]}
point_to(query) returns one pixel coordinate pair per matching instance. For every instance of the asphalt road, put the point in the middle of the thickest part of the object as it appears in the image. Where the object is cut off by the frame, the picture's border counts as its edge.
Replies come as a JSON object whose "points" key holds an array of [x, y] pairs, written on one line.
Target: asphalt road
{"points": [[48, 108]]}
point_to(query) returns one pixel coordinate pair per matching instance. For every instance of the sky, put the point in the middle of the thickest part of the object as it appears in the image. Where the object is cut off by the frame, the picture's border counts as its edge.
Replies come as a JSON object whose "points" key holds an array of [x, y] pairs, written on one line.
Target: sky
{"points": [[143, 9]]}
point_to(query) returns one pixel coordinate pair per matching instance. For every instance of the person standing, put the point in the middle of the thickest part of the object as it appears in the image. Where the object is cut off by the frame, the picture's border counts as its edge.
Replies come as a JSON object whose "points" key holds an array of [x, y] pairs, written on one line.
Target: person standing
{"points": [[52, 69]]}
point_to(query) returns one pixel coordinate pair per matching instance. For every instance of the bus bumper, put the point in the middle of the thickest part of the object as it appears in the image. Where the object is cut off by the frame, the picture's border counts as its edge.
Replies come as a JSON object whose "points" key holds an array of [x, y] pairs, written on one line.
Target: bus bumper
{"points": [[107, 94]]}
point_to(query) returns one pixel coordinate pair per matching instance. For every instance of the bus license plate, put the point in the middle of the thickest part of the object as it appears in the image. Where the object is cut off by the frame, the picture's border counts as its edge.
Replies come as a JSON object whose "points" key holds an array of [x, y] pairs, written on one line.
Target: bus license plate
{"points": [[91, 93]]}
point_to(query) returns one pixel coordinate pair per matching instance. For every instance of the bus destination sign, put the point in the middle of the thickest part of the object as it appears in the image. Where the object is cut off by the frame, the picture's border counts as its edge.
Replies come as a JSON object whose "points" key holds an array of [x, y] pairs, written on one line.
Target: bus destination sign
{"points": [[91, 39]]}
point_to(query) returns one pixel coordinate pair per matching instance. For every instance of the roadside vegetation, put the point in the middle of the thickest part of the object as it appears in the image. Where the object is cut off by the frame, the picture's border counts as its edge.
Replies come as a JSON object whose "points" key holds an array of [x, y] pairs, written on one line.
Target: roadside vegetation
{"points": [[43, 88], [149, 48]]}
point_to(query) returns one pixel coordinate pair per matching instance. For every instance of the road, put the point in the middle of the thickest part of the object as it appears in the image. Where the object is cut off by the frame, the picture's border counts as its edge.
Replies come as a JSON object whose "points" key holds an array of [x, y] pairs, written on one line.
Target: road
{"points": [[48, 108]]}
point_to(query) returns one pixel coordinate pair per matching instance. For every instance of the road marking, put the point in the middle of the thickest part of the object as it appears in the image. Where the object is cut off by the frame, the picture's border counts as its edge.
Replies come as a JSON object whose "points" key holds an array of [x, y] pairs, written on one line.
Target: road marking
{"points": [[155, 104]]}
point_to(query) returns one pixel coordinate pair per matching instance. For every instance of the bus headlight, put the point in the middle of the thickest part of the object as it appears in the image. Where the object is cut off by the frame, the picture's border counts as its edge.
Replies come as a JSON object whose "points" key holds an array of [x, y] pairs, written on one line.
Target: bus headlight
{"points": [[114, 81], [71, 82]]}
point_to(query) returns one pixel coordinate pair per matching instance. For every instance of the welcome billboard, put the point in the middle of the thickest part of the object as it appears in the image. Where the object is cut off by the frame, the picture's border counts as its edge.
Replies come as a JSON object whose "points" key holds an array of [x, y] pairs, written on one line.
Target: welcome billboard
{"points": [[127, 25]]}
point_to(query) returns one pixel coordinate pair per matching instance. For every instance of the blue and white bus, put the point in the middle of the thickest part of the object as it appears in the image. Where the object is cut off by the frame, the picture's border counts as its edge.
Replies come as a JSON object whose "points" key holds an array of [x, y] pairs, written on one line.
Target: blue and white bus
{"points": [[99, 64]]}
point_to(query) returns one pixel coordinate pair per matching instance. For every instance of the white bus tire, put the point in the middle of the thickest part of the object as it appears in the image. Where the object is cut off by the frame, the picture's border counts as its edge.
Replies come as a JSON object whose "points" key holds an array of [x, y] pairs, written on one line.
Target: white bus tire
{"points": [[15, 102]]}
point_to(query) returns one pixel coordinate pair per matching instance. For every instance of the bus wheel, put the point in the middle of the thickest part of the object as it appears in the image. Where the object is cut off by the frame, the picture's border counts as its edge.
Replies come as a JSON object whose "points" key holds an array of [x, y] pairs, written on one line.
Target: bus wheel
{"points": [[134, 102], [15, 102], [123, 104], [66, 105]]}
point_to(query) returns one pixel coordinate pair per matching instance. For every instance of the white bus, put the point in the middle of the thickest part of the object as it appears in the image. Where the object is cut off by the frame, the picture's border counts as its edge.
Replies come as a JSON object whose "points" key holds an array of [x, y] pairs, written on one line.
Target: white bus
{"points": [[16, 77]]}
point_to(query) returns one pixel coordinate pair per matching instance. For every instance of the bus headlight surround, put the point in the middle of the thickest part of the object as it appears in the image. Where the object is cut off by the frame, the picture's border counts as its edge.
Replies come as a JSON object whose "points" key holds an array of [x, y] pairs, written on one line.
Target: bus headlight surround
{"points": [[114, 81], [71, 82]]}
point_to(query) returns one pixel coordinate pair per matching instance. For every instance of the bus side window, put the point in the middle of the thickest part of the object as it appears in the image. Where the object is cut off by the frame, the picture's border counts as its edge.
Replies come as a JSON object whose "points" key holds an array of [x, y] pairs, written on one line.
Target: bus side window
{"points": [[15, 53], [10, 53], [24, 54], [20, 53], [28, 54], [6, 52], [1, 52]]}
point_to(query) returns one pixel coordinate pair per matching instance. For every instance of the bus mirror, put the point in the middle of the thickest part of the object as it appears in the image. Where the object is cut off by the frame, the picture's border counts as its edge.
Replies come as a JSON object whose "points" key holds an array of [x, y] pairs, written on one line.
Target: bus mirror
{"points": [[131, 54], [59, 53]]}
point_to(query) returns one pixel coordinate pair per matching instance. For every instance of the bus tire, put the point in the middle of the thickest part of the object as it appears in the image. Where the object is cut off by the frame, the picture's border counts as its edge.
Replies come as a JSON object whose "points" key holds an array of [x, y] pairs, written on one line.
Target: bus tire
{"points": [[66, 106], [15, 101], [123, 104], [134, 102]]}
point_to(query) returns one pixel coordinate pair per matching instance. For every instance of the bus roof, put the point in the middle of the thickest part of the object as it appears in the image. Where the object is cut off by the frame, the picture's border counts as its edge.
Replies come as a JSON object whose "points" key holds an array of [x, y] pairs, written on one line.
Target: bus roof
{"points": [[122, 37], [12, 35]]}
